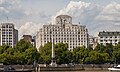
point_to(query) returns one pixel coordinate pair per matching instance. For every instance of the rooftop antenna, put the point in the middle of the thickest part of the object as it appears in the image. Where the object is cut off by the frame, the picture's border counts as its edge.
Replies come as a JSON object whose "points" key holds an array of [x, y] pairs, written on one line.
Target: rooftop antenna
{"points": [[7, 18]]}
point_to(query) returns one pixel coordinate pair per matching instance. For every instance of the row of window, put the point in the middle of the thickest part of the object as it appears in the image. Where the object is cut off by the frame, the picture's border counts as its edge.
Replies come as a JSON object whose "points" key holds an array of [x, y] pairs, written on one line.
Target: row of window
{"points": [[6, 32], [108, 40], [6, 38], [7, 26], [75, 32], [111, 37], [7, 43], [109, 43], [58, 27], [71, 44], [10, 35], [58, 35], [65, 30], [58, 41], [65, 39]]}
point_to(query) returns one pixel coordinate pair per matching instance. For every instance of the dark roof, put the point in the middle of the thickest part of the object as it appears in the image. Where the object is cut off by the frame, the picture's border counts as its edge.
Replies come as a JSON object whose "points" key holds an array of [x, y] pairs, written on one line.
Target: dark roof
{"points": [[6, 23], [109, 33], [63, 16]]}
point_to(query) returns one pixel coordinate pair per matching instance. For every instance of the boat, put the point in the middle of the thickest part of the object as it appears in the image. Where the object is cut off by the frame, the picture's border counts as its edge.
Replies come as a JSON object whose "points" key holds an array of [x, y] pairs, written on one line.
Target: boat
{"points": [[114, 68]]}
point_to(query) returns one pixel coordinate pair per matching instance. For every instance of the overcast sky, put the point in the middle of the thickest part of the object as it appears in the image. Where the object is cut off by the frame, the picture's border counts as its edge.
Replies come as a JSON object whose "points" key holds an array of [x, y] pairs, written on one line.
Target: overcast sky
{"points": [[29, 15]]}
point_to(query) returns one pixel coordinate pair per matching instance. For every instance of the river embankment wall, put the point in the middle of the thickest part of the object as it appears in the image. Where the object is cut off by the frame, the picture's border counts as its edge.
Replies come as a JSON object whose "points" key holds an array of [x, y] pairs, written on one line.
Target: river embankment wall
{"points": [[74, 68]]}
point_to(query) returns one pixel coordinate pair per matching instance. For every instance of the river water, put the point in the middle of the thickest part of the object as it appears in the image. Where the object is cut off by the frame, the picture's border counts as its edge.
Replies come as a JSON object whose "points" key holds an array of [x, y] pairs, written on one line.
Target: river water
{"points": [[76, 71]]}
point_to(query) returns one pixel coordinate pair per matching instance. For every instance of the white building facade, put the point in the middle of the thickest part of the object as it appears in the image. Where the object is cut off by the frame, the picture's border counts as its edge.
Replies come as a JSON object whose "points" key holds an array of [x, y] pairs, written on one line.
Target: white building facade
{"points": [[108, 37], [93, 41], [8, 34], [63, 31]]}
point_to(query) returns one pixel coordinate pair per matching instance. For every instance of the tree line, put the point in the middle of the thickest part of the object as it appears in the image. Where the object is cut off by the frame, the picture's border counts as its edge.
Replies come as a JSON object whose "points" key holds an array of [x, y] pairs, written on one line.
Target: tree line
{"points": [[24, 53]]}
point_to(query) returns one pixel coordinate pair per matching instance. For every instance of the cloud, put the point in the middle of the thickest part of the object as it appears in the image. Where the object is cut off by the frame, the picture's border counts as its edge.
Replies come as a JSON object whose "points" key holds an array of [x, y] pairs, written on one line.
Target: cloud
{"points": [[26, 19], [3, 10], [11, 9], [80, 11], [29, 28], [110, 13], [94, 16]]}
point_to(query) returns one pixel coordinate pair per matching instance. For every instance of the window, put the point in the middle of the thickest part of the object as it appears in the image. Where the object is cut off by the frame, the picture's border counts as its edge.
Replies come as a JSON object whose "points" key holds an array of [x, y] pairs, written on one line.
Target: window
{"points": [[106, 40], [101, 37], [10, 26], [3, 29], [115, 40], [3, 26], [10, 32], [10, 29], [3, 32], [6, 26], [110, 40]]}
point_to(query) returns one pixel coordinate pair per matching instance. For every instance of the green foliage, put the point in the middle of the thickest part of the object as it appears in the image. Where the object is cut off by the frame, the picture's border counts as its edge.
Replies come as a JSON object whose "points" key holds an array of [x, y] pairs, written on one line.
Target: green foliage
{"points": [[63, 55], [22, 45], [22, 53], [45, 53], [25, 53], [31, 55]]}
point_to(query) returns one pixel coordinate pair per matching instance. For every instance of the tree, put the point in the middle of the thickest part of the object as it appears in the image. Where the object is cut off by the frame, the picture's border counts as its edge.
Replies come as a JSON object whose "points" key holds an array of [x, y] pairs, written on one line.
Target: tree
{"points": [[79, 54], [63, 55], [22, 45], [31, 55], [94, 58], [116, 53], [100, 48], [45, 53]]}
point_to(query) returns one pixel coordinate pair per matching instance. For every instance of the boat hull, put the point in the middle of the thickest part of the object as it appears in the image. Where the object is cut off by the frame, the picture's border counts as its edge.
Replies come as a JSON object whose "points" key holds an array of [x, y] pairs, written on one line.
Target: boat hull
{"points": [[113, 69]]}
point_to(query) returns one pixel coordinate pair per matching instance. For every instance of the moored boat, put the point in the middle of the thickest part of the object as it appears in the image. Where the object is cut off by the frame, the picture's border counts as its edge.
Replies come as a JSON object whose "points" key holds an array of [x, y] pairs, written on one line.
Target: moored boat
{"points": [[115, 68]]}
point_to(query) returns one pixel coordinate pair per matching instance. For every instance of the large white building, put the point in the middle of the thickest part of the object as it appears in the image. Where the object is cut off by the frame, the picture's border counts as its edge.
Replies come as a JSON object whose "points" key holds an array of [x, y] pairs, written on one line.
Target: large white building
{"points": [[63, 31], [8, 34], [109, 37]]}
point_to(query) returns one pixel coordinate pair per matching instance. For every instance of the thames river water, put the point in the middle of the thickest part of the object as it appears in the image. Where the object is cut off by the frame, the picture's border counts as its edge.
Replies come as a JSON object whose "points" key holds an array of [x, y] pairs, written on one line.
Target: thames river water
{"points": [[76, 71]]}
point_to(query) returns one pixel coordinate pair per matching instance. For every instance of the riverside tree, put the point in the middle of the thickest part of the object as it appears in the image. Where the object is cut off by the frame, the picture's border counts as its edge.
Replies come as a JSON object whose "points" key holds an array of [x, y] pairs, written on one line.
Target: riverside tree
{"points": [[22, 53], [25, 53]]}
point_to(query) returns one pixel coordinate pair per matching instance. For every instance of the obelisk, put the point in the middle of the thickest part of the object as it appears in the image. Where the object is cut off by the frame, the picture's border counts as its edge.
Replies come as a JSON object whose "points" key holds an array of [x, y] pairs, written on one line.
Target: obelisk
{"points": [[53, 61]]}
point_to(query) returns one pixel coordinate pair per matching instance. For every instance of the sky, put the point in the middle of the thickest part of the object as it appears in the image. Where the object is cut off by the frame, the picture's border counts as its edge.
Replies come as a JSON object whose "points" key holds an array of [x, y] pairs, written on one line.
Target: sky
{"points": [[29, 16]]}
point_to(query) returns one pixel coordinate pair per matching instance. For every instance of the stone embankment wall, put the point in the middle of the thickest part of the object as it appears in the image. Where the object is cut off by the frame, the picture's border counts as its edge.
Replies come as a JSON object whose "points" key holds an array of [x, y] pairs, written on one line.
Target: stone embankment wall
{"points": [[14, 68], [90, 67], [96, 67]]}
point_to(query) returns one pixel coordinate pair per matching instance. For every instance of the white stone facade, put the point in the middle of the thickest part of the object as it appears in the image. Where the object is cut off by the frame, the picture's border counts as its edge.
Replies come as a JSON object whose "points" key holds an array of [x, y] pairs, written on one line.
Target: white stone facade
{"points": [[8, 35], [109, 37], [63, 31]]}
